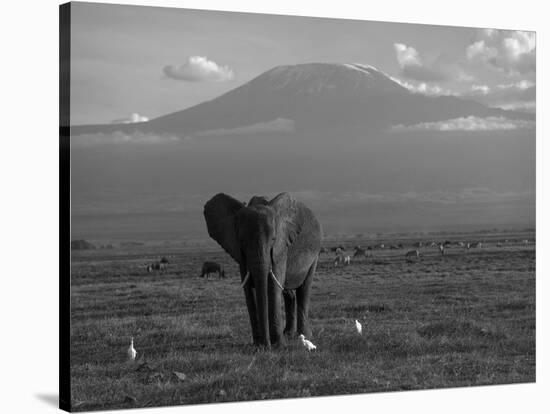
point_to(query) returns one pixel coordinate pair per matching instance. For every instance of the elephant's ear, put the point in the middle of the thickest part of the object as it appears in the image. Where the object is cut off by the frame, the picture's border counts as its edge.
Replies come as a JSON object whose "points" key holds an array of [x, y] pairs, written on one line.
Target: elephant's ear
{"points": [[220, 213], [289, 220]]}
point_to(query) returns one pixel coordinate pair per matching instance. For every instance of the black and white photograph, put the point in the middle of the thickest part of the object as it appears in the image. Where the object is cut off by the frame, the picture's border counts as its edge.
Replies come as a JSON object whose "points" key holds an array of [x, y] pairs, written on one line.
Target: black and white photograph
{"points": [[264, 206]]}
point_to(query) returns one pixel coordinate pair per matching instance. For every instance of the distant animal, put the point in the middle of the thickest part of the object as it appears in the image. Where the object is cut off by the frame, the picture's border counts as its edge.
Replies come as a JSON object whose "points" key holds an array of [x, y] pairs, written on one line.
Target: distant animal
{"points": [[164, 260], [159, 266], [341, 259], [479, 245], [131, 350], [358, 327], [400, 245], [418, 244], [412, 254], [441, 249], [447, 243], [358, 252], [307, 344], [394, 247], [337, 248], [460, 244], [209, 268]]}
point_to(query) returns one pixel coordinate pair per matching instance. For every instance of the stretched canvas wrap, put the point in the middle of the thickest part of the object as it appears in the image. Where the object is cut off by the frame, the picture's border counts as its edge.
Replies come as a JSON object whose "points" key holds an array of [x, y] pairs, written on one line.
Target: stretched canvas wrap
{"points": [[264, 206]]}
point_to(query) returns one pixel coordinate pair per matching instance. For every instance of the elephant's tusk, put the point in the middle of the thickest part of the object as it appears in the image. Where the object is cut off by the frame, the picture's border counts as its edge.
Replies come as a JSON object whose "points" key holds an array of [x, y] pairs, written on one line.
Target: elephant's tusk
{"points": [[275, 279], [245, 279], [247, 276]]}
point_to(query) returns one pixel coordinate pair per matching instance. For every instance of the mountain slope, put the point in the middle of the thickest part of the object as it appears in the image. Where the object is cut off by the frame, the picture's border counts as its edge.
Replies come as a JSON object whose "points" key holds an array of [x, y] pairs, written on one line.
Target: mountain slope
{"points": [[314, 96]]}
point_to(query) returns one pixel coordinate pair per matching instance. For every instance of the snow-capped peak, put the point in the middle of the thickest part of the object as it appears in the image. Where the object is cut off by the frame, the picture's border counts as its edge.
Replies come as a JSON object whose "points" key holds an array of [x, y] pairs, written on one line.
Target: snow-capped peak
{"points": [[367, 69], [310, 78]]}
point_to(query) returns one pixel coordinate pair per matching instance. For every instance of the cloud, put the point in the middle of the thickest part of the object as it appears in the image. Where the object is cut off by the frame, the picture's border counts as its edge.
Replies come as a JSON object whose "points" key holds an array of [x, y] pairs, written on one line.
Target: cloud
{"points": [[120, 138], [199, 69], [413, 67], [513, 52], [521, 85], [470, 123], [277, 125], [424, 88], [132, 119], [530, 106], [480, 89], [503, 95], [518, 96]]}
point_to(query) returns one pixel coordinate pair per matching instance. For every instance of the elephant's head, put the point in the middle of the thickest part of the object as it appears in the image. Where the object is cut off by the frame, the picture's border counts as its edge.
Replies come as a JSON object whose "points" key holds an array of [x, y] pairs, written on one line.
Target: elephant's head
{"points": [[257, 236]]}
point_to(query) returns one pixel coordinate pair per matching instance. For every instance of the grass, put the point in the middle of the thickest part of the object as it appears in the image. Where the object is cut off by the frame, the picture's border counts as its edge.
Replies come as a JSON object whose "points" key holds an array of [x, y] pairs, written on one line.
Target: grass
{"points": [[467, 318]]}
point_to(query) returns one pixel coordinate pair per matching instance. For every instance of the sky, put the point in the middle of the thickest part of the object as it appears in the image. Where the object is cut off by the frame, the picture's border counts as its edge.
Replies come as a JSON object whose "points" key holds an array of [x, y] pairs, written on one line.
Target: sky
{"points": [[133, 63]]}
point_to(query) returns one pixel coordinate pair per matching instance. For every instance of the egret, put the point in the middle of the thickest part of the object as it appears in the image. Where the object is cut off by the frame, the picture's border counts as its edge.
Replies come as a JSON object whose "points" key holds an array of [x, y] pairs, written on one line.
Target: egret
{"points": [[358, 327], [131, 351], [308, 344]]}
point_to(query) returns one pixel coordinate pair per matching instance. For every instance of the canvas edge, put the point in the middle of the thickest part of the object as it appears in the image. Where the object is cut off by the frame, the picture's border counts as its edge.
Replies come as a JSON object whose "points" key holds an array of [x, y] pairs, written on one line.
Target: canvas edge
{"points": [[64, 207]]}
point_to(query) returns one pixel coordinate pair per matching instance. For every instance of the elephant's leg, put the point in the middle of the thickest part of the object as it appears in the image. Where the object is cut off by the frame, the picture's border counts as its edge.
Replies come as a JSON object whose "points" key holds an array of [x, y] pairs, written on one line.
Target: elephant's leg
{"points": [[302, 297], [262, 307], [250, 298], [275, 318], [252, 313], [290, 312]]}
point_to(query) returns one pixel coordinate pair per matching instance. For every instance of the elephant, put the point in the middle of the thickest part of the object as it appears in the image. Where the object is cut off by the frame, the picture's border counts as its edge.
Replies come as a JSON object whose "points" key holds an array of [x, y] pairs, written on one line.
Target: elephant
{"points": [[276, 244]]}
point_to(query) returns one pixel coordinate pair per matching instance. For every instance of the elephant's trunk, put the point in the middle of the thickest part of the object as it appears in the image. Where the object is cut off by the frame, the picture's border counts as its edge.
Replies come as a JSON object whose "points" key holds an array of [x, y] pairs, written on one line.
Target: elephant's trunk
{"points": [[259, 272]]}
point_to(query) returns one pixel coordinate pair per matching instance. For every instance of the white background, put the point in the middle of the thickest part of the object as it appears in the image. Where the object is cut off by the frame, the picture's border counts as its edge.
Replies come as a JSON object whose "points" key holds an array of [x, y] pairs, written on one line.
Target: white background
{"points": [[29, 203]]}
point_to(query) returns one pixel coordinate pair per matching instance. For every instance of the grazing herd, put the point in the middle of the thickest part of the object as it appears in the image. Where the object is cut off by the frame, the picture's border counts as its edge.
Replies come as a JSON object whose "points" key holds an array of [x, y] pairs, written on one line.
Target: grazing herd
{"points": [[210, 268], [413, 254], [161, 266]]}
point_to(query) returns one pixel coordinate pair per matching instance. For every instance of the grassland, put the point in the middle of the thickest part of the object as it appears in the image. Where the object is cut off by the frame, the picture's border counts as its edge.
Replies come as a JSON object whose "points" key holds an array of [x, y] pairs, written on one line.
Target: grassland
{"points": [[466, 318]]}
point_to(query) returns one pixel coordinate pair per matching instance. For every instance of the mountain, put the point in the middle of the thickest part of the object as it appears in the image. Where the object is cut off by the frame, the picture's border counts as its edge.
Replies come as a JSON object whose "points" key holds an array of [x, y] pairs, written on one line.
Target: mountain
{"points": [[312, 97]]}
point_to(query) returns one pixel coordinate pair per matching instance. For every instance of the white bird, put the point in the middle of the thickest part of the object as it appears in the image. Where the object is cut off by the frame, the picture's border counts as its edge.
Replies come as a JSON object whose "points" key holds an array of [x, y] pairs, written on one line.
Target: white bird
{"points": [[358, 327], [131, 351], [308, 344]]}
